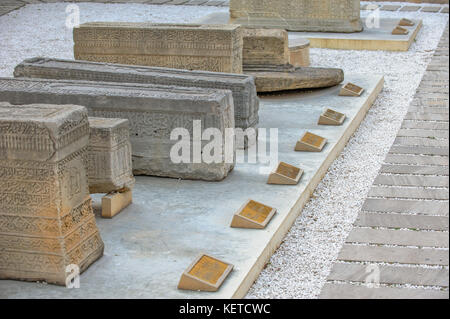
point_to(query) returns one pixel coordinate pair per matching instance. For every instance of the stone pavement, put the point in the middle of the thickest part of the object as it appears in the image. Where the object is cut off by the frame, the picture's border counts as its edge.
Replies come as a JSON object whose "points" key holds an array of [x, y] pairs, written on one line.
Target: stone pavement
{"points": [[401, 234], [7, 6]]}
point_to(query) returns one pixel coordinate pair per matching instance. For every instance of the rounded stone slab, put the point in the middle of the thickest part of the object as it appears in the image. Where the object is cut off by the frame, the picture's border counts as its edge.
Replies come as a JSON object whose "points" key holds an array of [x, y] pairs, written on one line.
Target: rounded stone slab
{"points": [[287, 77]]}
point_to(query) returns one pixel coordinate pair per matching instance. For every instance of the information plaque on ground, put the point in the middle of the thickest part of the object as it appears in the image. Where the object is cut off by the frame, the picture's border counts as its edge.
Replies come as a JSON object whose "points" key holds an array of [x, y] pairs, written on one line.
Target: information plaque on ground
{"points": [[406, 23], [206, 273], [350, 89], [253, 215], [331, 117], [311, 143], [285, 174], [398, 30]]}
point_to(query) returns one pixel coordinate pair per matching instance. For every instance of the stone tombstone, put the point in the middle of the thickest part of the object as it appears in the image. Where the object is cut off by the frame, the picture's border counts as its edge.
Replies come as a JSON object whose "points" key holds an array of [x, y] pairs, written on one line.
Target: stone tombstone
{"points": [[246, 102], [298, 15], [216, 48], [265, 46], [46, 221], [110, 167], [153, 111]]}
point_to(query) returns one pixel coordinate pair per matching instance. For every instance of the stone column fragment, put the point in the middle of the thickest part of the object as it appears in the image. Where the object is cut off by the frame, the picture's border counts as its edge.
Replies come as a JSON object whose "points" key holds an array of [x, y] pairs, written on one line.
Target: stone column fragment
{"points": [[47, 227], [154, 111], [110, 167], [216, 48], [246, 102], [265, 46]]}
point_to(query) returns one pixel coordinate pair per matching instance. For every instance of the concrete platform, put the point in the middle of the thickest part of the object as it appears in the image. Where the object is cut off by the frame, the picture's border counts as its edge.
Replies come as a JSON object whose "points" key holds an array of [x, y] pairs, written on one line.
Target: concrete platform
{"points": [[369, 39], [151, 243]]}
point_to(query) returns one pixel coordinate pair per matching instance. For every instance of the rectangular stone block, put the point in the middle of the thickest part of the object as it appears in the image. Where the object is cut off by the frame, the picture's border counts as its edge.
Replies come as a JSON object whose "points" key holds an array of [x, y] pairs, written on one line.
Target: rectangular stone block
{"points": [[265, 46], [437, 208], [246, 102], [402, 221], [110, 167], [216, 48], [46, 218], [154, 111], [298, 15]]}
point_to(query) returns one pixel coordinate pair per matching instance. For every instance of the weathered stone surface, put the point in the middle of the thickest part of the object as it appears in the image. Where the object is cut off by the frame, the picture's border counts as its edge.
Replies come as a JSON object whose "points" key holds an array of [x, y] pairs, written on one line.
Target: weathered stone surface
{"points": [[154, 111], [402, 221], [415, 169], [416, 159], [216, 48], [265, 46], [391, 274], [246, 102], [349, 291], [408, 192], [403, 255], [439, 208], [299, 52], [411, 180], [418, 150], [298, 15], [110, 167], [46, 218], [271, 78]]}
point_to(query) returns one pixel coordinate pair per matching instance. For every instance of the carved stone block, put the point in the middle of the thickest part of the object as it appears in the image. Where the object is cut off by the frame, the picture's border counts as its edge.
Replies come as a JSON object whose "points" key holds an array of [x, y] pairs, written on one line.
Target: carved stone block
{"points": [[265, 46], [46, 218], [110, 167], [154, 111], [216, 48], [298, 15], [246, 102]]}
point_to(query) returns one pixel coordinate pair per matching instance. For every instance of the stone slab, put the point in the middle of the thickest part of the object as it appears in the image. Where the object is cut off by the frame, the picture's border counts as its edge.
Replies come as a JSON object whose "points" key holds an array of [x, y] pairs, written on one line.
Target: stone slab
{"points": [[414, 169], [398, 237], [418, 150], [216, 48], [425, 125], [410, 8], [421, 141], [246, 102], [438, 208], [298, 15], [408, 192], [170, 221], [46, 217], [423, 133], [391, 274], [265, 46], [402, 221], [411, 180], [110, 167], [402, 255], [431, 9], [153, 111], [416, 159], [388, 7], [426, 117], [348, 291]]}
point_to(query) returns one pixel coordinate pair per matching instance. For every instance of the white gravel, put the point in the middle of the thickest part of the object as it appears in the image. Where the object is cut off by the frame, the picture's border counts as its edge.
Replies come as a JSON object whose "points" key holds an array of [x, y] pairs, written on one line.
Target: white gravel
{"points": [[300, 266]]}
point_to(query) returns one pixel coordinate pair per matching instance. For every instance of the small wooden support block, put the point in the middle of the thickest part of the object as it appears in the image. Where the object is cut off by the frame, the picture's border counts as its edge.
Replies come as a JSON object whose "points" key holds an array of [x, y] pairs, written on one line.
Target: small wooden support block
{"points": [[206, 273], [311, 143], [406, 23], [253, 215], [114, 203], [400, 31], [331, 117], [350, 89], [285, 174]]}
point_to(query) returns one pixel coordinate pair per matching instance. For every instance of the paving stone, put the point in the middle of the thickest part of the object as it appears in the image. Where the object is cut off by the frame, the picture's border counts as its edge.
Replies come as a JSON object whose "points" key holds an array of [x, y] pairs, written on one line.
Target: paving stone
{"points": [[416, 159], [444, 10], [402, 255], [398, 237], [425, 125], [196, 2], [437, 208], [431, 9], [348, 291], [214, 3], [418, 150], [427, 109], [408, 192], [426, 117], [396, 220], [410, 8], [421, 141], [157, 1], [414, 169], [391, 274], [177, 2], [390, 7], [411, 180]]}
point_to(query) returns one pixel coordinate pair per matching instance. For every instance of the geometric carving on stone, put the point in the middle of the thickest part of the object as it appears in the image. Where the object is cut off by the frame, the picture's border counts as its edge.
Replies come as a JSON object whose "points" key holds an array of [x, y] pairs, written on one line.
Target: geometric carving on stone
{"points": [[265, 46], [298, 15], [246, 102], [310, 142], [153, 111], [216, 48], [110, 167], [46, 218]]}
